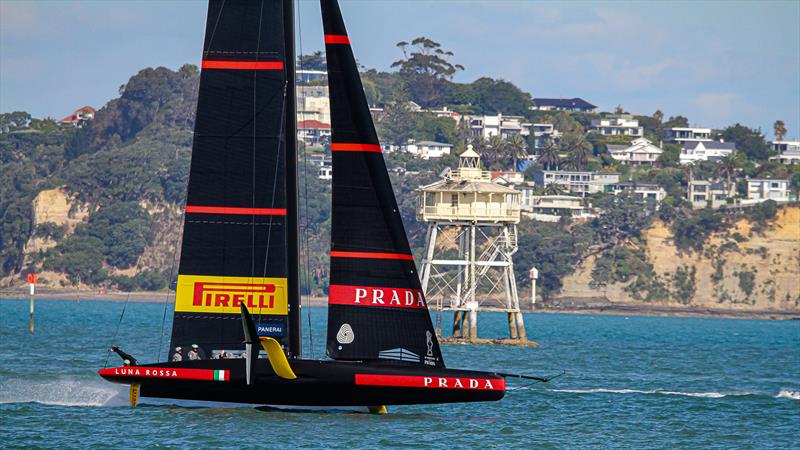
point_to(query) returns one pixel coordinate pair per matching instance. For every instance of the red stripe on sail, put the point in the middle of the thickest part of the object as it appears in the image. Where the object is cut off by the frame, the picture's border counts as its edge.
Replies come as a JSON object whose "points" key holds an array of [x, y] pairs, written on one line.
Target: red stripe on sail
{"points": [[347, 147], [242, 65], [163, 373], [386, 297], [371, 255], [337, 39], [229, 210], [432, 382]]}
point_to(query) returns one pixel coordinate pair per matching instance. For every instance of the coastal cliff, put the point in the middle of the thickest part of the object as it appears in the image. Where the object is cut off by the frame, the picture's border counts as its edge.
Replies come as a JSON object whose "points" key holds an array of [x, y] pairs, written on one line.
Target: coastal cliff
{"points": [[742, 268]]}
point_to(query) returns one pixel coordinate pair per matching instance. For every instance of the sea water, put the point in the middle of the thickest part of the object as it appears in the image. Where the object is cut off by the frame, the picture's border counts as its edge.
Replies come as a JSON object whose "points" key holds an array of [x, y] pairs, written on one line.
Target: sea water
{"points": [[637, 382]]}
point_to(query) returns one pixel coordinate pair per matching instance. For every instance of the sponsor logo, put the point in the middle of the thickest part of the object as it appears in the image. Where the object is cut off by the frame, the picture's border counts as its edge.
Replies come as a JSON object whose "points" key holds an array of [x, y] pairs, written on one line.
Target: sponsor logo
{"points": [[167, 372], [430, 360], [211, 294], [399, 354], [270, 329], [376, 296], [345, 334], [477, 384]]}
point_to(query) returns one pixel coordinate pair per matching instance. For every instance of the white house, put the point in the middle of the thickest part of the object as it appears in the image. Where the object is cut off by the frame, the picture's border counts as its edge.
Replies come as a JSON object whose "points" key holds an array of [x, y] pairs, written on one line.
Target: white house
{"points": [[542, 133], [499, 125], [618, 125], [644, 191], [682, 135], [507, 177], [641, 151], [428, 149], [562, 104], [692, 152], [788, 152], [768, 189], [550, 208], [583, 183]]}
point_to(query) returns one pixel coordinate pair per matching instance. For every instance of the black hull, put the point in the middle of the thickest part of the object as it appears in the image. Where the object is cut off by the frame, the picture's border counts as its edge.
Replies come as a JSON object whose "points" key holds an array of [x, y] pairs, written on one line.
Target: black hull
{"points": [[318, 383]]}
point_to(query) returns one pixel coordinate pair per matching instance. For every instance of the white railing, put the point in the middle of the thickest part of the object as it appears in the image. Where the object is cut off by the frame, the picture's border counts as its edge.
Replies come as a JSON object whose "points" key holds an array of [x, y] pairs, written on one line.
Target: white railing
{"points": [[474, 212]]}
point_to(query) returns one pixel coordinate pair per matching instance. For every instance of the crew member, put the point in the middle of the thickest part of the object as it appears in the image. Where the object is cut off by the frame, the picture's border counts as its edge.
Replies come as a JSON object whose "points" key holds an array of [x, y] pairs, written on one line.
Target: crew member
{"points": [[193, 354], [132, 361], [223, 355], [177, 356]]}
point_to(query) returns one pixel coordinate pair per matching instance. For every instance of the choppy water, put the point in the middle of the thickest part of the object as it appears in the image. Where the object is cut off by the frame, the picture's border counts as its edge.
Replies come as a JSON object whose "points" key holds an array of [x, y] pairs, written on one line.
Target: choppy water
{"points": [[631, 382]]}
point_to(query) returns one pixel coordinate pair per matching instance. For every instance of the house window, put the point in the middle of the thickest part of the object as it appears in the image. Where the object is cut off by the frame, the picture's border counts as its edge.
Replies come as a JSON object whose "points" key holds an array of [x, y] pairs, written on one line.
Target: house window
{"points": [[454, 200], [773, 185]]}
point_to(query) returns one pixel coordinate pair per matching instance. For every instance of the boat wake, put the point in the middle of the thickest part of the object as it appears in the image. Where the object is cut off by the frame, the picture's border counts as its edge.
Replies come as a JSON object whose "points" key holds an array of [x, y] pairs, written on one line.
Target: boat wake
{"points": [[657, 392], [786, 393], [62, 392]]}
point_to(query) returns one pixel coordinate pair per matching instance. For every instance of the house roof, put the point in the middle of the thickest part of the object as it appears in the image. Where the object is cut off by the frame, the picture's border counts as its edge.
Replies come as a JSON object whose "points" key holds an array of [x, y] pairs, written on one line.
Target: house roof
{"points": [[432, 143], [312, 124], [564, 103], [711, 145], [634, 184]]}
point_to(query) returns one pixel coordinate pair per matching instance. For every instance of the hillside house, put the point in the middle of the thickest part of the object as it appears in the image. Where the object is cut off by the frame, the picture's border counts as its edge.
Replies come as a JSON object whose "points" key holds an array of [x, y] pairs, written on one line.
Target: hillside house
{"points": [[79, 117], [640, 152], [499, 125], [583, 183], [703, 193], [313, 132], [692, 152], [562, 104], [643, 191], [682, 135], [618, 125], [788, 152], [428, 149], [550, 208], [544, 133], [768, 189], [507, 177]]}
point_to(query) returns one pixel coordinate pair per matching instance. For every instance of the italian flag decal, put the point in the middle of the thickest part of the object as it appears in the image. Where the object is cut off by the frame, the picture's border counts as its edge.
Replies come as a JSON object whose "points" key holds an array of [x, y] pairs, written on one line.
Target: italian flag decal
{"points": [[221, 375]]}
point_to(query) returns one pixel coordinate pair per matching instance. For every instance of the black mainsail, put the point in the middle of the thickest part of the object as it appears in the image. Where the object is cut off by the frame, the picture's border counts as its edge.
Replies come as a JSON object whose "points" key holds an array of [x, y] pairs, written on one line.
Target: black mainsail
{"points": [[376, 308], [240, 226]]}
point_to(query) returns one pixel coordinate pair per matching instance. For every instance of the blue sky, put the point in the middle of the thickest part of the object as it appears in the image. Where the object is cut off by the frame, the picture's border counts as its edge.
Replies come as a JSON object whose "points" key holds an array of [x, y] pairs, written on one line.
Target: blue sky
{"points": [[715, 62]]}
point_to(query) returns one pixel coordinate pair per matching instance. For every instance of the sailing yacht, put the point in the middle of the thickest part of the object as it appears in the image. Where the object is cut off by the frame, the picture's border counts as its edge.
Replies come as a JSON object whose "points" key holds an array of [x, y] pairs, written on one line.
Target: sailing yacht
{"points": [[238, 289]]}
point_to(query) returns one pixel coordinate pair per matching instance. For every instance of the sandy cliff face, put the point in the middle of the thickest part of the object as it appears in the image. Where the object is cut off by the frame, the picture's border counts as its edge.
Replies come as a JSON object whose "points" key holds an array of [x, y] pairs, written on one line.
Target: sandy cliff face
{"points": [[759, 272]]}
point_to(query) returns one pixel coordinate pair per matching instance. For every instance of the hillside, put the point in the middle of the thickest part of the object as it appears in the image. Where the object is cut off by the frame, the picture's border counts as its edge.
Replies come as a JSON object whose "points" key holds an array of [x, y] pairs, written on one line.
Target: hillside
{"points": [[99, 207], [737, 269]]}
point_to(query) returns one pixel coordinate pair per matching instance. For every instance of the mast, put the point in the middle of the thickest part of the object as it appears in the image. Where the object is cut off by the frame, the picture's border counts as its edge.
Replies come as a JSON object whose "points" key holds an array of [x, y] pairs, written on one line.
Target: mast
{"points": [[292, 204]]}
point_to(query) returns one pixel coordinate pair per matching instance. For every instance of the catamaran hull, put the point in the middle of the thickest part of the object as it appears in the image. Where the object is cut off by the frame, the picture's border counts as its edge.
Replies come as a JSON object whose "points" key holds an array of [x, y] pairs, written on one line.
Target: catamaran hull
{"points": [[318, 383]]}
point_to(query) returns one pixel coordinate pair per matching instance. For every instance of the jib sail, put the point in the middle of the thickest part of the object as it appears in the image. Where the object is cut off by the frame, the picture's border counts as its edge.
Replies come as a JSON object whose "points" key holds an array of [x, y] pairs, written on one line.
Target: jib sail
{"points": [[238, 225], [376, 307]]}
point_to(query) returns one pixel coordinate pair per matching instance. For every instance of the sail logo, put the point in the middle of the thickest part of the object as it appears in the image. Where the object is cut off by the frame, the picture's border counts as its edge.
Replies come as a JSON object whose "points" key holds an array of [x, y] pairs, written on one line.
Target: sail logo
{"points": [[212, 294], [167, 372], [376, 296], [431, 382]]}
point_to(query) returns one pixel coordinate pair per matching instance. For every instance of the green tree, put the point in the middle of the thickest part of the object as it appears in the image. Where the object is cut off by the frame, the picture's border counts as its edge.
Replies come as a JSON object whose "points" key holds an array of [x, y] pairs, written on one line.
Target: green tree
{"points": [[780, 130], [578, 149], [748, 141], [425, 68], [515, 148], [314, 61], [549, 156]]}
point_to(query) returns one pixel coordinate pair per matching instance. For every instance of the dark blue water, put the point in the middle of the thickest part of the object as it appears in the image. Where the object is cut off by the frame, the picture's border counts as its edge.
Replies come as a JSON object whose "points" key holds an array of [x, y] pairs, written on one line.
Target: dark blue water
{"points": [[631, 382]]}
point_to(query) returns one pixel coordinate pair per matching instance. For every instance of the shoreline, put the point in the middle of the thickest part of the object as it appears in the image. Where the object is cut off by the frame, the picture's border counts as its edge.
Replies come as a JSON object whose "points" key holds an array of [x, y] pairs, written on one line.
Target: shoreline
{"points": [[609, 309]]}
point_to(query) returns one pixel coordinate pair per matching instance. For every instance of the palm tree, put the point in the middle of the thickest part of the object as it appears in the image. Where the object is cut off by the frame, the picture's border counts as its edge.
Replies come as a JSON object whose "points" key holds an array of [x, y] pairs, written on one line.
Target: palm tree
{"points": [[553, 189], [726, 168], [516, 148], [578, 148], [780, 130], [549, 156]]}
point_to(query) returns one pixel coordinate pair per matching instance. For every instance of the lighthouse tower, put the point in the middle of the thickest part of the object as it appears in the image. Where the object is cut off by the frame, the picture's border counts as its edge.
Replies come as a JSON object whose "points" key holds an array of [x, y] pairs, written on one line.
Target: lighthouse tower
{"points": [[472, 234]]}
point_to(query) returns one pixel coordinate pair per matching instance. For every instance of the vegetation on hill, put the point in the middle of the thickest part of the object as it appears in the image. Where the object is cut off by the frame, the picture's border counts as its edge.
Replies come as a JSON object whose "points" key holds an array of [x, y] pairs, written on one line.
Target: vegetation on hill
{"points": [[128, 169]]}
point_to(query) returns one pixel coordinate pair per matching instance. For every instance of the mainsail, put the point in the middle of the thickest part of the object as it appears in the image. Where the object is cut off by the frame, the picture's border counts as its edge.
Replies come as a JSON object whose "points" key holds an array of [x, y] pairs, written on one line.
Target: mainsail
{"points": [[240, 223], [376, 306]]}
